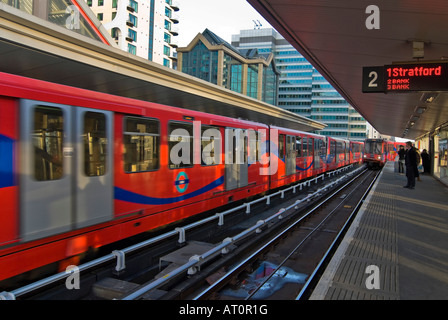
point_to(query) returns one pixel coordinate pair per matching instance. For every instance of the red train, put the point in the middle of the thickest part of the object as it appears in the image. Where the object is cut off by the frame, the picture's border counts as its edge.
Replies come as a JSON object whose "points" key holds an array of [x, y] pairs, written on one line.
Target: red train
{"points": [[378, 151], [82, 169]]}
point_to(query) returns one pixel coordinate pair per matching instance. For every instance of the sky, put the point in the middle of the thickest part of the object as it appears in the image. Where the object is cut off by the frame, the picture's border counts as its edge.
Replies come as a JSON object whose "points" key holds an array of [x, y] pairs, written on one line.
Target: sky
{"points": [[223, 17]]}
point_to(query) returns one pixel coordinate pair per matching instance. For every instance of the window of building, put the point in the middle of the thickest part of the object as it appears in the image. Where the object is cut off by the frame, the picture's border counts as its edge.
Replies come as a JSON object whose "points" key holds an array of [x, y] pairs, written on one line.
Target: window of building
{"points": [[252, 81], [100, 3], [168, 12], [134, 5], [132, 49], [167, 37], [141, 144], [166, 50], [201, 63], [132, 34], [100, 16], [167, 25], [133, 19], [166, 62]]}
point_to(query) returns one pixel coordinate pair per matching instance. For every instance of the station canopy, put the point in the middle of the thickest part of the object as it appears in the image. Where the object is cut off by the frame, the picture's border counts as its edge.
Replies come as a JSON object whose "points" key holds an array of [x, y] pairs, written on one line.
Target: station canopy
{"points": [[339, 39], [38, 48]]}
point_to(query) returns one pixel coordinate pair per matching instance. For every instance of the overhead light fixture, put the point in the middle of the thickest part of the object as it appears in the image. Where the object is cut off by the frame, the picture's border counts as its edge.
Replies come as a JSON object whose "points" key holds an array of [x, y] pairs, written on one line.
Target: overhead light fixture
{"points": [[418, 49], [420, 110], [429, 97]]}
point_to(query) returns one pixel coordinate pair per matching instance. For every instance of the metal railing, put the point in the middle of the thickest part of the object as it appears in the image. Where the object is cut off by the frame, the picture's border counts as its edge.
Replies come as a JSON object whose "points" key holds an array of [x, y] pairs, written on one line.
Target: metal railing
{"points": [[120, 255]]}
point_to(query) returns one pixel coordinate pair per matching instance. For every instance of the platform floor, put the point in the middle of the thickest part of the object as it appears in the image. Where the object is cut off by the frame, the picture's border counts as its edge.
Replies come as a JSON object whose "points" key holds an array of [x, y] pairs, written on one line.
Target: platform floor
{"points": [[404, 233]]}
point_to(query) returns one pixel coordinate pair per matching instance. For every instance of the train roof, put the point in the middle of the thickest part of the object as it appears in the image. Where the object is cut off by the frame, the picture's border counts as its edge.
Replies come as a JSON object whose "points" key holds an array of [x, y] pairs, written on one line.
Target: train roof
{"points": [[38, 49]]}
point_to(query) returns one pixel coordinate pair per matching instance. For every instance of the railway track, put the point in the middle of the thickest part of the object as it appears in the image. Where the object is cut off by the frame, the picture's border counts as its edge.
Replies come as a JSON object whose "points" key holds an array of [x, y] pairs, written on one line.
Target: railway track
{"points": [[289, 265], [156, 268]]}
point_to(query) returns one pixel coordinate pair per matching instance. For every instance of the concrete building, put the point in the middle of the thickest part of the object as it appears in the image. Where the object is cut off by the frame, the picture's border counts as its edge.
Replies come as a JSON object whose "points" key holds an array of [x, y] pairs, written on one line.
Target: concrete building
{"points": [[302, 89], [246, 71], [143, 28], [73, 15]]}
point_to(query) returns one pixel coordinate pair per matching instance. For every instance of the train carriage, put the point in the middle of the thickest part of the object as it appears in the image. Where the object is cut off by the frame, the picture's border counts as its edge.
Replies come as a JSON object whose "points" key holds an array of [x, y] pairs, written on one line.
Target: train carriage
{"points": [[378, 151], [298, 155], [338, 153], [356, 152], [83, 169]]}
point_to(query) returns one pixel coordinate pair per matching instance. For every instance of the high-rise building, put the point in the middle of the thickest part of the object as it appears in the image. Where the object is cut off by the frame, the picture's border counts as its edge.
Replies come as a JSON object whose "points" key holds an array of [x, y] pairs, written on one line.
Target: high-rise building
{"points": [[144, 28], [301, 88], [74, 15], [246, 71]]}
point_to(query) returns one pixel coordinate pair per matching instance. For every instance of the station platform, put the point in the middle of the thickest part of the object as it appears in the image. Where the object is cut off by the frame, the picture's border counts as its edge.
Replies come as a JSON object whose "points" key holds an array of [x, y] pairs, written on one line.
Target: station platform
{"points": [[402, 235]]}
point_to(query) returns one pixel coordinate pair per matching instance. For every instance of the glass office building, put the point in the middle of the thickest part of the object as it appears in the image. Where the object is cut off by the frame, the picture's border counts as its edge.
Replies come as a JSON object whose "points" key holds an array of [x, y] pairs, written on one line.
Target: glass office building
{"points": [[248, 72], [301, 88]]}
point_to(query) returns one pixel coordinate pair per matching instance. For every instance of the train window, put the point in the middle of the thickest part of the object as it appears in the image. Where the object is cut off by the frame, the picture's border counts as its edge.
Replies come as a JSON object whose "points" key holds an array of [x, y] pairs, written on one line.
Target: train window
{"points": [[210, 145], [310, 146], [141, 144], [298, 147], [47, 140], [281, 146], [332, 148], [95, 144], [373, 147], [305, 146], [254, 145], [180, 145]]}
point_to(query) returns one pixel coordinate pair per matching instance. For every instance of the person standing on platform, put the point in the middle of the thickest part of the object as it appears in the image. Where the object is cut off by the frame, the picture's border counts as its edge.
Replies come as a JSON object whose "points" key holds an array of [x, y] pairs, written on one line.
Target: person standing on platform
{"points": [[410, 160], [425, 161], [401, 154], [419, 158]]}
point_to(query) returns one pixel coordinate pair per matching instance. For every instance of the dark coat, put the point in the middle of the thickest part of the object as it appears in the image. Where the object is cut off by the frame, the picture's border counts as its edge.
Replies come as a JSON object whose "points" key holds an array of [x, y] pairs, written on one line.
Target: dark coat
{"points": [[401, 154], [410, 159]]}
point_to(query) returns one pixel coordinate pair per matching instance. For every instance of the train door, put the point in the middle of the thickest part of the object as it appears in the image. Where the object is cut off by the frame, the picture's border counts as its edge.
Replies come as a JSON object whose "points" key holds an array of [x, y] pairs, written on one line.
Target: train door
{"points": [[57, 191], [94, 164], [236, 158], [290, 155], [317, 153], [311, 151]]}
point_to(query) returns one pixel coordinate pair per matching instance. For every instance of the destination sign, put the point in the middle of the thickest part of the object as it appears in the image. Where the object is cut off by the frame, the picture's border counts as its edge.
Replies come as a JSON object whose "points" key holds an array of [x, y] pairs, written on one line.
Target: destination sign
{"points": [[406, 78]]}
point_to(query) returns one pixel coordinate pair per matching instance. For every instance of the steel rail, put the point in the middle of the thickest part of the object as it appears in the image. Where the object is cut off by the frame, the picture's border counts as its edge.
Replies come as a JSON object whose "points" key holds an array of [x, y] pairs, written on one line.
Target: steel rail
{"points": [[119, 255], [257, 252], [259, 286], [304, 292]]}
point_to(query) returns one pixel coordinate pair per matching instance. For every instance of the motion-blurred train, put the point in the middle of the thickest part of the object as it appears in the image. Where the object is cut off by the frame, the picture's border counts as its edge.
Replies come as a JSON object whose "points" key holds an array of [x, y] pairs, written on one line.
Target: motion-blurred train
{"points": [[81, 169], [378, 151]]}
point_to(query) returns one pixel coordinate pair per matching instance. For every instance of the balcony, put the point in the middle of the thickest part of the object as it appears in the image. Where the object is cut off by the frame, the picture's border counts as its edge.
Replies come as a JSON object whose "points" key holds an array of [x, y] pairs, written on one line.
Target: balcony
{"points": [[174, 18], [174, 5], [173, 43], [174, 30]]}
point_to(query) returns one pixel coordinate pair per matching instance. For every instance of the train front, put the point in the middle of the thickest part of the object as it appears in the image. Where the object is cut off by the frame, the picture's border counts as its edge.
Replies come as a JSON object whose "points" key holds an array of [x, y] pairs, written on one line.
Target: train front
{"points": [[373, 152]]}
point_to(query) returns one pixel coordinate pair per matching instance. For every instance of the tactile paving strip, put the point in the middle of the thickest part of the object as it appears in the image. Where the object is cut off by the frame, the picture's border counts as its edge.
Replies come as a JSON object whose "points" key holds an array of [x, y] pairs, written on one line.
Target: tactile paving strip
{"points": [[374, 243]]}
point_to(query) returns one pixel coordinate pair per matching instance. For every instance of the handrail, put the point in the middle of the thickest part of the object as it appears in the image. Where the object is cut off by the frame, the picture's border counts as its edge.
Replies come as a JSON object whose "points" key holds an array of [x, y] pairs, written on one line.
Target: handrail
{"points": [[181, 231]]}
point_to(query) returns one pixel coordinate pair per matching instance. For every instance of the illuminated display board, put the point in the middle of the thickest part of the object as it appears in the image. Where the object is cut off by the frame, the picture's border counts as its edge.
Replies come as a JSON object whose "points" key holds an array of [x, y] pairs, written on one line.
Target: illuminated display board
{"points": [[406, 77]]}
